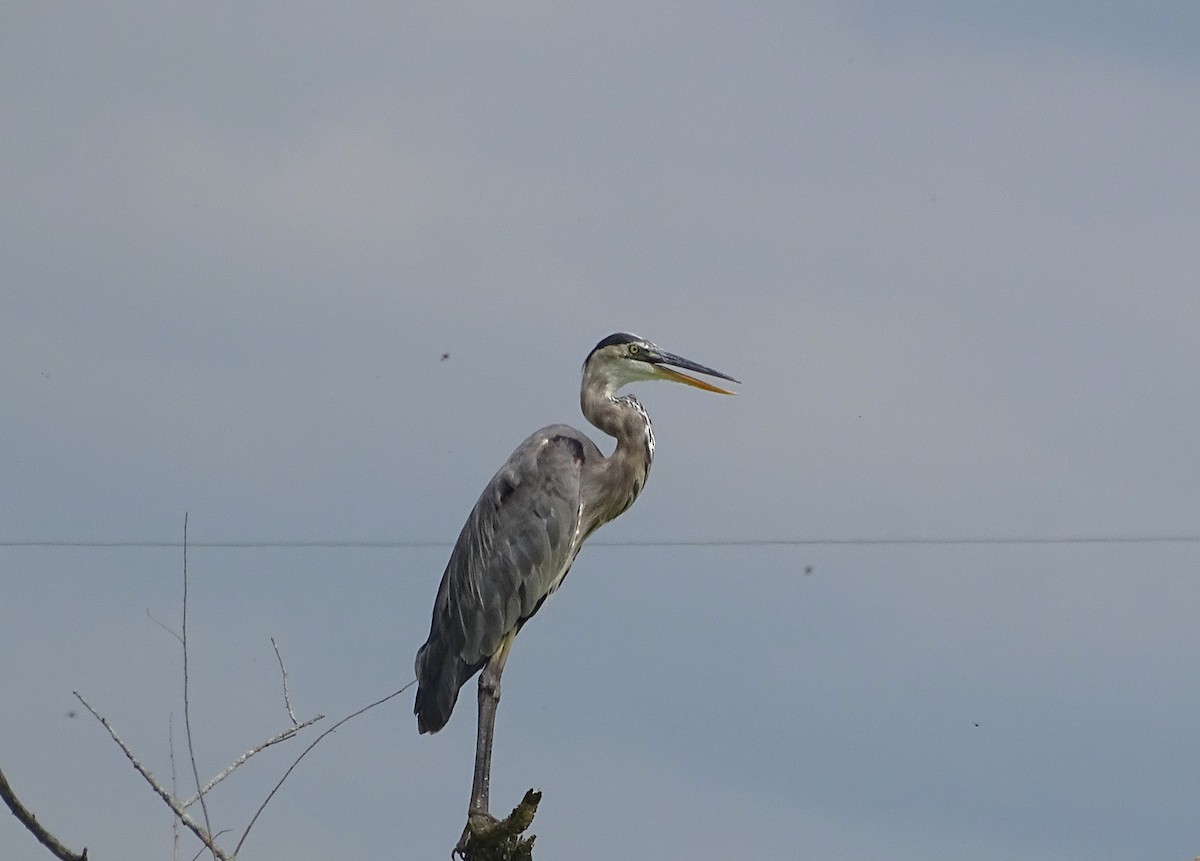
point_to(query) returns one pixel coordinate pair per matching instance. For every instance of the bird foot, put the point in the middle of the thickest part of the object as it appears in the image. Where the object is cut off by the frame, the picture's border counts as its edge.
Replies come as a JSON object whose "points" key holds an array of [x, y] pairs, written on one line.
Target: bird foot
{"points": [[479, 822], [487, 838]]}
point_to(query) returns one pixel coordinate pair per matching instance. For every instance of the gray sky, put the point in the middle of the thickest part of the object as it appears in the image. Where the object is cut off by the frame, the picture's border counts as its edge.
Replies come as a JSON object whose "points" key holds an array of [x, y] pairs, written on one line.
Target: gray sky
{"points": [[950, 248]]}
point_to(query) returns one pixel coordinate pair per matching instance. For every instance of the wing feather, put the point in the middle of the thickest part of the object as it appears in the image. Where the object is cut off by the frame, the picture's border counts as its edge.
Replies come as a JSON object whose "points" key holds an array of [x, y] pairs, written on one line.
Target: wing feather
{"points": [[514, 549]]}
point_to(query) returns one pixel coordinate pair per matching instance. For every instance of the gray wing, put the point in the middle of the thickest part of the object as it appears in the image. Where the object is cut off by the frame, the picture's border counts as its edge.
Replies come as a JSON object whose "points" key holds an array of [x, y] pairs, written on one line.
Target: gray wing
{"points": [[512, 552]]}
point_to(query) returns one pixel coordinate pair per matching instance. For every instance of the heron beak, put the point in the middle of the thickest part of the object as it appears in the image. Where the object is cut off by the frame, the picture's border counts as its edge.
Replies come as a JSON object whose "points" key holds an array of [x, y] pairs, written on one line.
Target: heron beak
{"points": [[663, 359]]}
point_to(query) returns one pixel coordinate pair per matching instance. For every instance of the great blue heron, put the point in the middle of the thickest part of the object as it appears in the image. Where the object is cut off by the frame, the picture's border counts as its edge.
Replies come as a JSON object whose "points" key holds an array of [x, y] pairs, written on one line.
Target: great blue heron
{"points": [[519, 541]]}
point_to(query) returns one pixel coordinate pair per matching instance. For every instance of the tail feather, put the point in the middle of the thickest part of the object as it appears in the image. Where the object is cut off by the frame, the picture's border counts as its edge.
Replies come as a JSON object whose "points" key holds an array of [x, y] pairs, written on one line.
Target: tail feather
{"points": [[440, 674]]}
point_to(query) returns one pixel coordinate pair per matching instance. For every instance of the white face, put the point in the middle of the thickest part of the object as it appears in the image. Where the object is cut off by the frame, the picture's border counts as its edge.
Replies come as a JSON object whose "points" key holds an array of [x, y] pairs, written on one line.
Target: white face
{"points": [[621, 364], [617, 365]]}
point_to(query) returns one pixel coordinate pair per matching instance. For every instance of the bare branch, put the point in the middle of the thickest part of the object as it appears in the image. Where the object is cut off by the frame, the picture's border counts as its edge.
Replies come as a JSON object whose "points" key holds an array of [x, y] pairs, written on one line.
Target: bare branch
{"points": [[228, 770], [315, 742], [195, 827], [174, 785], [286, 734], [180, 808], [283, 670], [187, 717], [35, 828]]}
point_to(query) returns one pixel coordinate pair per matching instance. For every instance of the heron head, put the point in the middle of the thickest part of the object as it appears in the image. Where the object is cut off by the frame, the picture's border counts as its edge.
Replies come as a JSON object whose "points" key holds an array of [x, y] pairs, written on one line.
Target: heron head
{"points": [[624, 358]]}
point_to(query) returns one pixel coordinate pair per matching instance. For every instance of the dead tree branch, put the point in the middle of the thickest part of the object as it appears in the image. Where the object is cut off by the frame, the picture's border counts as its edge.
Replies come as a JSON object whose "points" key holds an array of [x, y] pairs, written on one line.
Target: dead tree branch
{"points": [[203, 831], [35, 828], [195, 827], [228, 770]]}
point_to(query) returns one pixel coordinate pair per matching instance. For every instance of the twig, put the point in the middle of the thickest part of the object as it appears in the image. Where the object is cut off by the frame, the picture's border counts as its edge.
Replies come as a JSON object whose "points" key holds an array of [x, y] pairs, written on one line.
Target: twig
{"points": [[315, 742], [283, 670], [174, 785], [35, 828], [295, 728], [187, 717], [228, 770], [196, 828], [163, 625]]}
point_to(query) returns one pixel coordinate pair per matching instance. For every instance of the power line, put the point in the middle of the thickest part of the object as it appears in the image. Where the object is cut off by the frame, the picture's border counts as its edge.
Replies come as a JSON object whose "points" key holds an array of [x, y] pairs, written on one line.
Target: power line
{"points": [[935, 541], [318, 543]]}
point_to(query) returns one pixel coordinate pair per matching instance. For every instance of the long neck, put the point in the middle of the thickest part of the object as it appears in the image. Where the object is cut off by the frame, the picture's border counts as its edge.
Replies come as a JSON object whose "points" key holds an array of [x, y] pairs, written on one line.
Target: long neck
{"points": [[624, 473]]}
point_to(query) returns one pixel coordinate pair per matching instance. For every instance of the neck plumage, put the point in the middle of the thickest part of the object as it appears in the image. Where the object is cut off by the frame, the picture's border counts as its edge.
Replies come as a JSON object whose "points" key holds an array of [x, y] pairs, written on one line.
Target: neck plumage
{"points": [[624, 473]]}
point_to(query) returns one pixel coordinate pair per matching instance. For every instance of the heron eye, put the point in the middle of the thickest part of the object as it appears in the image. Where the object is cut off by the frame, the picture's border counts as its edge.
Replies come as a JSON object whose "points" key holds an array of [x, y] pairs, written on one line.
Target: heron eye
{"points": [[634, 349]]}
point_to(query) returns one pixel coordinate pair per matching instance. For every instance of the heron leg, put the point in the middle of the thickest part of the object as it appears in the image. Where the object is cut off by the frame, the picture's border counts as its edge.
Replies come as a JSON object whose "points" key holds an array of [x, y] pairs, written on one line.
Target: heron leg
{"points": [[489, 698]]}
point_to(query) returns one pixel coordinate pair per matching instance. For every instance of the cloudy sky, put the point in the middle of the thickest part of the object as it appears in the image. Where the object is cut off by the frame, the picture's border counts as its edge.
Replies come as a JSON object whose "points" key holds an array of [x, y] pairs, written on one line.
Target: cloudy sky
{"points": [[310, 276]]}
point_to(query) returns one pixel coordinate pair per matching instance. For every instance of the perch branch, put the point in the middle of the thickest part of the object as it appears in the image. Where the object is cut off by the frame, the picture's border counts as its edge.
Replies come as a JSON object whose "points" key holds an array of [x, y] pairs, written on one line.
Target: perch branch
{"points": [[492, 840]]}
